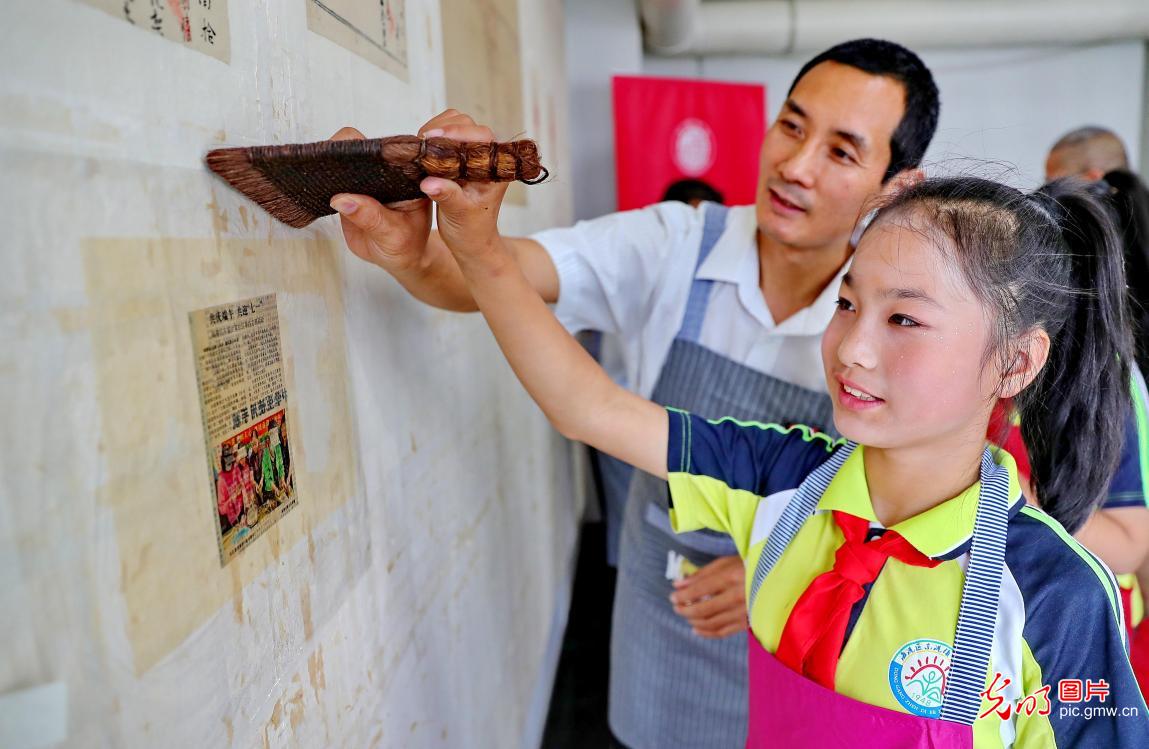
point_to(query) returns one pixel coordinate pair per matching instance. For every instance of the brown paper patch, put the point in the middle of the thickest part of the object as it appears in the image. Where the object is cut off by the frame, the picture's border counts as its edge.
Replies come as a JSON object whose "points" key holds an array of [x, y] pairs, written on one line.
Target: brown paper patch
{"points": [[376, 30], [482, 57], [141, 291]]}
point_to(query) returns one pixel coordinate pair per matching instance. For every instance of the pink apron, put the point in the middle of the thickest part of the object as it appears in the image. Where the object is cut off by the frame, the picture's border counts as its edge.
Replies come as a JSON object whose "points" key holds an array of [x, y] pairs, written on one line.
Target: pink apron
{"points": [[788, 709]]}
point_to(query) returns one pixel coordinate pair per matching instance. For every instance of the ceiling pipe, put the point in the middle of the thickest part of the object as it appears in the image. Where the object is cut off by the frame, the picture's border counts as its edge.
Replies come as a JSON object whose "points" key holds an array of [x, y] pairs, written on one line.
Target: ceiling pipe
{"points": [[779, 27]]}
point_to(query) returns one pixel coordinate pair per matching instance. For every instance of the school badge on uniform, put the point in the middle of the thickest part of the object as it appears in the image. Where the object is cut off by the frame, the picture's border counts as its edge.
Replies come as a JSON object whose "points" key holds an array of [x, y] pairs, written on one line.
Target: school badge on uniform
{"points": [[918, 675]]}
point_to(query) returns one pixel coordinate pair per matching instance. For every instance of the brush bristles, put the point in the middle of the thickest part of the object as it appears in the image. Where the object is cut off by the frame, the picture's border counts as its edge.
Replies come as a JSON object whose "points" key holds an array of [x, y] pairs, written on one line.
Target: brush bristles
{"points": [[295, 183], [234, 166]]}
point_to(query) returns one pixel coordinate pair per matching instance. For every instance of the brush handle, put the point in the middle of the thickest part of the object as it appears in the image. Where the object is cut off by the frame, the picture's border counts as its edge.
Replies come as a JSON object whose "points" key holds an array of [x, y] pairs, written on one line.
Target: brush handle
{"points": [[295, 182], [481, 162]]}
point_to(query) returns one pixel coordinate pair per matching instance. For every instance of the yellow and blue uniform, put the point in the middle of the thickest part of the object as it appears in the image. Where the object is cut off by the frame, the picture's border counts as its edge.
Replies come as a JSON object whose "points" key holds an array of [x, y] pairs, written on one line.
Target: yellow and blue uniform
{"points": [[1130, 485], [1059, 614]]}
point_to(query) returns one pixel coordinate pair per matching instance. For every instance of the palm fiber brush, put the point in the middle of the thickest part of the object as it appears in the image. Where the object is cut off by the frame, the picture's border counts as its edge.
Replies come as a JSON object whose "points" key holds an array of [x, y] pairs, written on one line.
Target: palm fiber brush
{"points": [[295, 182]]}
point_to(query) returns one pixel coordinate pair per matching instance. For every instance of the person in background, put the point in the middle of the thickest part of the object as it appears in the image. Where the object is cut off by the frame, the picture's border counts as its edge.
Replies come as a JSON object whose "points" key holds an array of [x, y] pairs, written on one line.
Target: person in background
{"points": [[720, 311], [1087, 152], [693, 192], [1129, 198], [1119, 532]]}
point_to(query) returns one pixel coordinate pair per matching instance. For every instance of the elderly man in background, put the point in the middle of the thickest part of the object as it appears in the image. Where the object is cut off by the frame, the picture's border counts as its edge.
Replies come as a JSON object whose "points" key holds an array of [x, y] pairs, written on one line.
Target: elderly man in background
{"points": [[1088, 152]]}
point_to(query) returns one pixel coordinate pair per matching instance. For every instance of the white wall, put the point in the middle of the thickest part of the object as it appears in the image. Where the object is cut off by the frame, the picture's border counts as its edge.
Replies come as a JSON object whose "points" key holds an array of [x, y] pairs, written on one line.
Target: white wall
{"points": [[602, 40], [416, 596], [1003, 106]]}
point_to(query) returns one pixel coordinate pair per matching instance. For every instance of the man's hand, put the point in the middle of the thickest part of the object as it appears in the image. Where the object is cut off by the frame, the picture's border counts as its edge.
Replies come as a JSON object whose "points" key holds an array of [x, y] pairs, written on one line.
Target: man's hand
{"points": [[393, 236], [713, 599]]}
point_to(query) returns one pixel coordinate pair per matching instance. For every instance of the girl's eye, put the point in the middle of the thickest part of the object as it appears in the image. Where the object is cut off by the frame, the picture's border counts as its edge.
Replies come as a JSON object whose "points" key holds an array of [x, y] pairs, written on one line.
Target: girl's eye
{"points": [[845, 305], [789, 126], [903, 322]]}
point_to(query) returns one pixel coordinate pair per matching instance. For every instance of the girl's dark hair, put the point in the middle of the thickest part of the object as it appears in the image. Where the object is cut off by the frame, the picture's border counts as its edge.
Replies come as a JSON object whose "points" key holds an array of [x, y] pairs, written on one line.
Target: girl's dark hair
{"points": [[1050, 260], [915, 130], [1129, 198]]}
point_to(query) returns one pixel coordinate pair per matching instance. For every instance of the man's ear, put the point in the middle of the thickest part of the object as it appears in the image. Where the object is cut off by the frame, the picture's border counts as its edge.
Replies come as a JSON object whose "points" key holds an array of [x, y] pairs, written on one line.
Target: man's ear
{"points": [[902, 180], [1030, 356]]}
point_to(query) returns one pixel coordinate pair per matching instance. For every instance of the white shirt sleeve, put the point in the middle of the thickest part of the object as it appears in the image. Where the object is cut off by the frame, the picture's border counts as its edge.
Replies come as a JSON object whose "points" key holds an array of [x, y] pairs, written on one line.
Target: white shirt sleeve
{"points": [[610, 268]]}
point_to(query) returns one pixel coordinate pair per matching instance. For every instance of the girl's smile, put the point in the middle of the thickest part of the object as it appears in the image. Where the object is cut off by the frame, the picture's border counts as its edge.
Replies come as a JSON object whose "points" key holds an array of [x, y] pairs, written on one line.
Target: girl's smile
{"points": [[854, 397]]}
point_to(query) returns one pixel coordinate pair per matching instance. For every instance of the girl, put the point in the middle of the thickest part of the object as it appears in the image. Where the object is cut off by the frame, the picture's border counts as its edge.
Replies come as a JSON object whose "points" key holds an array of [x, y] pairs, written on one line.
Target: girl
{"points": [[900, 591]]}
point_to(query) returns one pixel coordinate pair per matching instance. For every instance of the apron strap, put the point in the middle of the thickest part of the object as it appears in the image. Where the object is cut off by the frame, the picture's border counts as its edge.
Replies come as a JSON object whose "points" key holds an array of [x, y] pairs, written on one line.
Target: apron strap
{"points": [[977, 617], [712, 228], [802, 506]]}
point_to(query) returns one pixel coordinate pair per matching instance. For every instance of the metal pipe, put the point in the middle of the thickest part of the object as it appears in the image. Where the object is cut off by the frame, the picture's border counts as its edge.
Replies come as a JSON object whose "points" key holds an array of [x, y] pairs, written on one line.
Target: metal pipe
{"points": [[774, 27]]}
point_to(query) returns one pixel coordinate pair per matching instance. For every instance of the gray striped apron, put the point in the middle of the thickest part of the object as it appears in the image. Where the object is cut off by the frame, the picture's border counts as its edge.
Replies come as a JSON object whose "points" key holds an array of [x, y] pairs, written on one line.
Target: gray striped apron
{"points": [[670, 688]]}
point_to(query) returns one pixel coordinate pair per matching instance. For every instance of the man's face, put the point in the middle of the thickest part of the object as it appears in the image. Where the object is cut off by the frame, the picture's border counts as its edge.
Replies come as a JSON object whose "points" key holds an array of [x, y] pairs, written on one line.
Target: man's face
{"points": [[826, 154]]}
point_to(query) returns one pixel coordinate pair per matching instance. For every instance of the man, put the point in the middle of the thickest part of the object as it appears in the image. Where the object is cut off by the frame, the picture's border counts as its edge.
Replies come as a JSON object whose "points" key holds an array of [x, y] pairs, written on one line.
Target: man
{"points": [[719, 312], [1087, 152]]}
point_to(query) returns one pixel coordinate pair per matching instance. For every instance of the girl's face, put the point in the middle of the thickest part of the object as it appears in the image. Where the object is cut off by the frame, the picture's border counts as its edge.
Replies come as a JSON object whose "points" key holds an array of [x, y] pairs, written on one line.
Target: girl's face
{"points": [[904, 352]]}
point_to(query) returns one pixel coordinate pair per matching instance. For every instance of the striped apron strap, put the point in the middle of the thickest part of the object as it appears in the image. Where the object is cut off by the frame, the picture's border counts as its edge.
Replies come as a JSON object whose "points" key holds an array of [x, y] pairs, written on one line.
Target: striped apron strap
{"points": [[977, 616], [801, 506], [713, 226]]}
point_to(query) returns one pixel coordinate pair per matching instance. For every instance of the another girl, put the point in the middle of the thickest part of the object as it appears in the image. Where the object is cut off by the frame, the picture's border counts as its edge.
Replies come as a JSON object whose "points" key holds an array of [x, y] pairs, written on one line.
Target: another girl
{"points": [[901, 592]]}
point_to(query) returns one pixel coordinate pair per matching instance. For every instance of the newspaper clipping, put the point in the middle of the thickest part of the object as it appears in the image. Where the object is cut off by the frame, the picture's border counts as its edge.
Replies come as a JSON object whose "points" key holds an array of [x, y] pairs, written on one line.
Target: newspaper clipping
{"points": [[243, 397]]}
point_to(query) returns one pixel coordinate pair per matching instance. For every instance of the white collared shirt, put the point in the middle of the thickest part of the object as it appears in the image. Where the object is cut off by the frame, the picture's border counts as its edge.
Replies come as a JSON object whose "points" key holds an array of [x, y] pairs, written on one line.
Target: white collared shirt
{"points": [[629, 275]]}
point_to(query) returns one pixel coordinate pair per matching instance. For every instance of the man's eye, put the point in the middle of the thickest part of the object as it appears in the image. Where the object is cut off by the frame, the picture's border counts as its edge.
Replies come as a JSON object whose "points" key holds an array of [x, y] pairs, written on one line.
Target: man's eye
{"points": [[843, 154], [903, 322]]}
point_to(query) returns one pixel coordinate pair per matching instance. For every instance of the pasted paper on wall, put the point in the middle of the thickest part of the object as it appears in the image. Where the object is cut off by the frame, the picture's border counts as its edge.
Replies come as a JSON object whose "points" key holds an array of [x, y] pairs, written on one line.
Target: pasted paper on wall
{"points": [[199, 24], [376, 30], [243, 398], [156, 482]]}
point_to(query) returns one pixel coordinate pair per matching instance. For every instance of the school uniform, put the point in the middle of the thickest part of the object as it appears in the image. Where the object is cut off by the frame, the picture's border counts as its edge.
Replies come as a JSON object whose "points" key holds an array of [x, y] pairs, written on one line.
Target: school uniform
{"points": [[678, 287], [980, 597]]}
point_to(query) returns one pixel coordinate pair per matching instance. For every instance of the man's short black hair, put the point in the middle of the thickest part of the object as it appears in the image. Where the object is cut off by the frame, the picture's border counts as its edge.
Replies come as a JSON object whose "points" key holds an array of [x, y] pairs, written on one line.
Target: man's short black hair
{"points": [[912, 137]]}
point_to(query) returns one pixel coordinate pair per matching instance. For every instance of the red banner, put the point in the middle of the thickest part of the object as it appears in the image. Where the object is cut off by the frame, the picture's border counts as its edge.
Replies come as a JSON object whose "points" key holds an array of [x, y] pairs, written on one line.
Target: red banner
{"points": [[667, 129]]}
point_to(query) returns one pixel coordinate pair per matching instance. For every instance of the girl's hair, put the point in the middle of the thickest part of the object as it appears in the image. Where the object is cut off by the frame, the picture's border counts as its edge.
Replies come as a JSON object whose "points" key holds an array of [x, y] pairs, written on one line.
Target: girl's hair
{"points": [[1129, 198], [1049, 260]]}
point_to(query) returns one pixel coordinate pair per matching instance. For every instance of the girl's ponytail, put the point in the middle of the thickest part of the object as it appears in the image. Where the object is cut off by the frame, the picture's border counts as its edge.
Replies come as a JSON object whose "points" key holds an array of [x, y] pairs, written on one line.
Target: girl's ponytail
{"points": [[1073, 414]]}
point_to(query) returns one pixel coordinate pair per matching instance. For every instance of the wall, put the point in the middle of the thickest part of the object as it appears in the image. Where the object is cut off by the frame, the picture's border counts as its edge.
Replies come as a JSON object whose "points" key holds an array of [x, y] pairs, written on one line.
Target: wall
{"points": [[1006, 106], [602, 40], [416, 595]]}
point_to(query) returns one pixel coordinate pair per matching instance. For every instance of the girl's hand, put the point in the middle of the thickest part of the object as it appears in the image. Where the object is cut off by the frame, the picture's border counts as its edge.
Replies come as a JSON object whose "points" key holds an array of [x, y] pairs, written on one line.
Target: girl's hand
{"points": [[468, 213], [392, 236], [468, 219]]}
